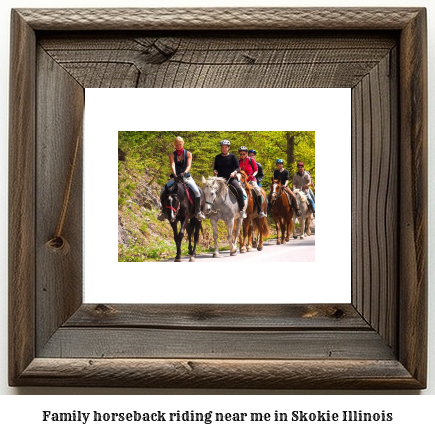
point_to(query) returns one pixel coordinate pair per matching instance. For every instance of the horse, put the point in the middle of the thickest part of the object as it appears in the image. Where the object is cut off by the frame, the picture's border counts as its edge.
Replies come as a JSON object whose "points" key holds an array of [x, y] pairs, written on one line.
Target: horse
{"points": [[305, 217], [259, 224], [180, 208], [282, 211], [221, 204]]}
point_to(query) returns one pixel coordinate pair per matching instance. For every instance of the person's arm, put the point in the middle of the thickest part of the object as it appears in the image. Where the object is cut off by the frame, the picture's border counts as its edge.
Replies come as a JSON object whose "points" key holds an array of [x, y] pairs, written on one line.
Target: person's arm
{"points": [[236, 166], [286, 179], [254, 164], [189, 162], [215, 170]]}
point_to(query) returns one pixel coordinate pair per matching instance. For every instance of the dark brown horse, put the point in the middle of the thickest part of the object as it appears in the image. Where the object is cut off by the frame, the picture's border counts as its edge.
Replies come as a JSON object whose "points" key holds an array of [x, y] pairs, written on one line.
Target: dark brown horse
{"points": [[179, 208], [282, 211], [252, 216]]}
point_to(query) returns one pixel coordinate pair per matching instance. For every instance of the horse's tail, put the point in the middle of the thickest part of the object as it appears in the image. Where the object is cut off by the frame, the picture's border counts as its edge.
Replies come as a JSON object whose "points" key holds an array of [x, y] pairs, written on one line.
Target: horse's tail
{"points": [[264, 226]]}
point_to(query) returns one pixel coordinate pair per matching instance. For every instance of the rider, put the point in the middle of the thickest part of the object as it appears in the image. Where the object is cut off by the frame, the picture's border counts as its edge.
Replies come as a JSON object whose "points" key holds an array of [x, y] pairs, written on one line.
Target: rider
{"points": [[283, 175], [302, 181], [226, 166], [251, 154], [249, 166], [181, 162]]}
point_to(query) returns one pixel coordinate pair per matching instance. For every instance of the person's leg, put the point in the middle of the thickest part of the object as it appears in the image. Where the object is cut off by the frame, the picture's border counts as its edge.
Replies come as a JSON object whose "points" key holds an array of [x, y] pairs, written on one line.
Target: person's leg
{"points": [[192, 184], [240, 199], [294, 201], [260, 199]]}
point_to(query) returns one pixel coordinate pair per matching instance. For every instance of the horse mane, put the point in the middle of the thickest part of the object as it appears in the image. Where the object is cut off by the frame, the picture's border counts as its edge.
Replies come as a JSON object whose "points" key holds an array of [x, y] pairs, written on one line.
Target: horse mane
{"points": [[175, 189], [248, 186], [220, 182], [301, 194]]}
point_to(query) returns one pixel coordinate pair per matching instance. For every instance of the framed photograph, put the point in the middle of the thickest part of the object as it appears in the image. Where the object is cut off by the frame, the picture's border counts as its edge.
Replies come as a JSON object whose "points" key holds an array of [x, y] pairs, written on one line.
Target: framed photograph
{"points": [[377, 341]]}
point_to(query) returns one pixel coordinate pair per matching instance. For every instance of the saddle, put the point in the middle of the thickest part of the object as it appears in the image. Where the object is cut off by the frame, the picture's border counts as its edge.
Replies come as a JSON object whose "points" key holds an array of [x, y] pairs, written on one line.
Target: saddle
{"points": [[233, 190]]}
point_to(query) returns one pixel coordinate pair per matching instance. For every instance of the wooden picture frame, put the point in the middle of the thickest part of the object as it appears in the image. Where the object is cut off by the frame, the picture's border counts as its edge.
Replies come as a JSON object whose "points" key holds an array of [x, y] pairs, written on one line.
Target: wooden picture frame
{"points": [[376, 342]]}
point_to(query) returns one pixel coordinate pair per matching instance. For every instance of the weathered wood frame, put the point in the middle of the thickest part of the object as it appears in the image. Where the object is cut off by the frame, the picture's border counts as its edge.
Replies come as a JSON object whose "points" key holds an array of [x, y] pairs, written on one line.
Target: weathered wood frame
{"points": [[377, 341]]}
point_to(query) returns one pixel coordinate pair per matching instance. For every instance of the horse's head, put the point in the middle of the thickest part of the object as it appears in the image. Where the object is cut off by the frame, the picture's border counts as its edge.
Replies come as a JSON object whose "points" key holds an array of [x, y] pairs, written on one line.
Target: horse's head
{"points": [[300, 195], [179, 178], [244, 180], [275, 188], [210, 189], [171, 201]]}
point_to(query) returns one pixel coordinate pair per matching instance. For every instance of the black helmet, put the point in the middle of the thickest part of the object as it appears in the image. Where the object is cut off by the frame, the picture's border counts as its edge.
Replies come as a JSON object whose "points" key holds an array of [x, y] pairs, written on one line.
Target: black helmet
{"points": [[243, 148], [225, 143], [252, 151]]}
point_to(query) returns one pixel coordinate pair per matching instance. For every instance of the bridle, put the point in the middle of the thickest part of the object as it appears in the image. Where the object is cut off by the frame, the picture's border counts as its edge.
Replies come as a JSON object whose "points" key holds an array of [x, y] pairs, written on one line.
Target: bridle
{"points": [[173, 196], [275, 194], [216, 196]]}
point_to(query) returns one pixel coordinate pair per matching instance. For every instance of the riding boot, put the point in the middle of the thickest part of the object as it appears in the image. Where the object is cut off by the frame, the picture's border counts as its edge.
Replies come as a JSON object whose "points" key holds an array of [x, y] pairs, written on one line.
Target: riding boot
{"points": [[198, 213], [261, 214], [242, 206], [295, 204]]}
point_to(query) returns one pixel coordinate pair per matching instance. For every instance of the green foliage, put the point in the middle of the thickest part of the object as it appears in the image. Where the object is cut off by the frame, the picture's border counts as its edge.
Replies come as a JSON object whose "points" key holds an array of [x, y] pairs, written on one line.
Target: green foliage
{"points": [[148, 151]]}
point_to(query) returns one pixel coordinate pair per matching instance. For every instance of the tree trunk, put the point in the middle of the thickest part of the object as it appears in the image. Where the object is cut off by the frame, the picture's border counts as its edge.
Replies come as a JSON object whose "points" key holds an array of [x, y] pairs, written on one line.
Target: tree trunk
{"points": [[290, 151]]}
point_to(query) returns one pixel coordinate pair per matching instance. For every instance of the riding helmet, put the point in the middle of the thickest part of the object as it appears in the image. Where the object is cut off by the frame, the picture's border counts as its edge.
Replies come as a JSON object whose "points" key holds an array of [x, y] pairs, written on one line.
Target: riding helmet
{"points": [[252, 151], [243, 148], [280, 160], [225, 143]]}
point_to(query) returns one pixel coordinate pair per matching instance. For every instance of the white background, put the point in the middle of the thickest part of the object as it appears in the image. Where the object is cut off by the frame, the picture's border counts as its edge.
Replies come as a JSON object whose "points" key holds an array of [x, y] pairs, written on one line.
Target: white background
{"points": [[325, 111], [414, 413]]}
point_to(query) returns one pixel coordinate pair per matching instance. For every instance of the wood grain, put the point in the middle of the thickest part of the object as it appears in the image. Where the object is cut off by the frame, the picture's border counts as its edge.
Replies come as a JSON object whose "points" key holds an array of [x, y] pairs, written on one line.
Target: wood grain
{"points": [[220, 18], [228, 374], [377, 342], [21, 197], [252, 317], [413, 187], [59, 279], [236, 60]]}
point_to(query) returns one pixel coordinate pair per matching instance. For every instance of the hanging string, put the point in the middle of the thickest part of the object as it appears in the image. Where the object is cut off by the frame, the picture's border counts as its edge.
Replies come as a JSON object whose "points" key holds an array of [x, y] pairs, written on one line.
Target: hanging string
{"points": [[59, 244]]}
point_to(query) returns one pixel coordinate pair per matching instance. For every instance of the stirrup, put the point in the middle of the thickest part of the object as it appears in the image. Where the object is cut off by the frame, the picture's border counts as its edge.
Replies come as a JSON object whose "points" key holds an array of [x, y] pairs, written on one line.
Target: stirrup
{"points": [[261, 214]]}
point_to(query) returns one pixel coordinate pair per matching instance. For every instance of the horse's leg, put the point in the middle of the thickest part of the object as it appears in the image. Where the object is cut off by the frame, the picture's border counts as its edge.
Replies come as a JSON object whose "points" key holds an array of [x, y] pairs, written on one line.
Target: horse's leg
{"points": [[260, 234], [287, 221], [295, 236], [189, 234], [180, 239], [174, 226], [246, 224], [213, 222], [250, 231], [276, 219], [197, 225], [232, 240], [308, 224], [302, 228]]}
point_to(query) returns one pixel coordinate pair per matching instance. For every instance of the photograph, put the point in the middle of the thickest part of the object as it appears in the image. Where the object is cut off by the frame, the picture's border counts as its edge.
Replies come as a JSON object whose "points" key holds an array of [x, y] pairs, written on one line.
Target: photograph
{"points": [[198, 195]]}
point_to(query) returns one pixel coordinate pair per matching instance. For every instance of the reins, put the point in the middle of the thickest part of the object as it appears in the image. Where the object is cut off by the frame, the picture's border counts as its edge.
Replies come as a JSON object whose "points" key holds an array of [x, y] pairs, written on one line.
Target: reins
{"points": [[225, 198]]}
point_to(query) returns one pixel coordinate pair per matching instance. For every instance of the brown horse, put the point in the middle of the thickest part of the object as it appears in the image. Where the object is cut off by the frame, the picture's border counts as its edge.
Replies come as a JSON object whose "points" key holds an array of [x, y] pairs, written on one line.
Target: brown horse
{"points": [[252, 216], [282, 211]]}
